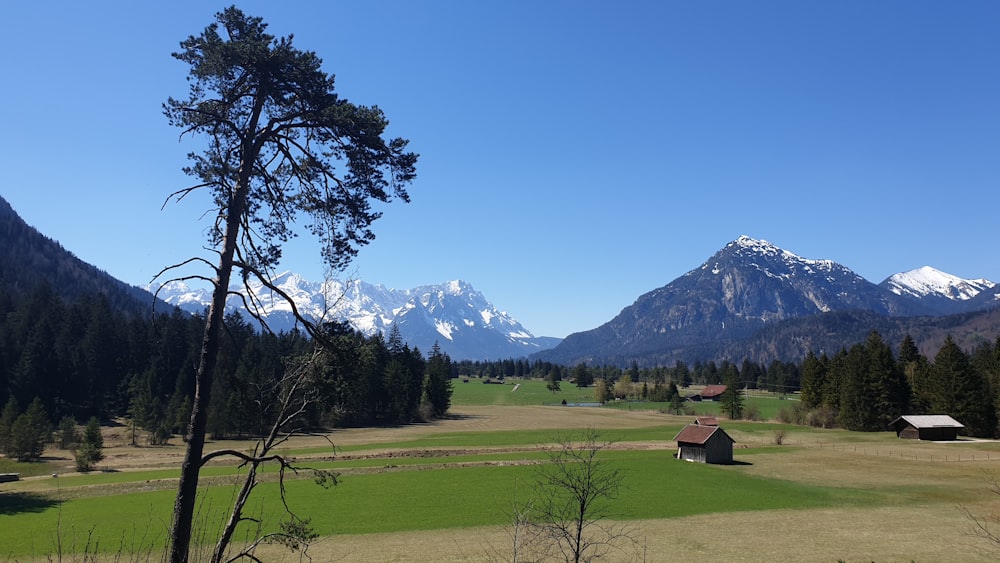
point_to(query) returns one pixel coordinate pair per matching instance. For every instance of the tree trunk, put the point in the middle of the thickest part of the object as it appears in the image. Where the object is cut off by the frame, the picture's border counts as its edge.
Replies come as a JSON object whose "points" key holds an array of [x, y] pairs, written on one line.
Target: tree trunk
{"points": [[187, 489], [180, 533]]}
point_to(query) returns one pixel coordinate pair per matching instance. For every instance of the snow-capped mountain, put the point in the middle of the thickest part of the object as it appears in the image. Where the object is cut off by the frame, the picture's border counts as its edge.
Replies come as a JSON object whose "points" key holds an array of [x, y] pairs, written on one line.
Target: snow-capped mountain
{"points": [[453, 314], [744, 287], [939, 290]]}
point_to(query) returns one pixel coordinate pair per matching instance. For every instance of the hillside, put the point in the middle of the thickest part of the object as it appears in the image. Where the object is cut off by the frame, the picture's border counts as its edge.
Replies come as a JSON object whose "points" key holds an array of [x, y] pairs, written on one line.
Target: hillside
{"points": [[29, 259]]}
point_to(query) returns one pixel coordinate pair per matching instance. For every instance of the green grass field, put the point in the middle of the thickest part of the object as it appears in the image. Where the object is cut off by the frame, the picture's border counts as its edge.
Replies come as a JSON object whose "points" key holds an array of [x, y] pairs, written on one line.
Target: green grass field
{"points": [[436, 482], [403, 500], [528, 392], [534, 392]]}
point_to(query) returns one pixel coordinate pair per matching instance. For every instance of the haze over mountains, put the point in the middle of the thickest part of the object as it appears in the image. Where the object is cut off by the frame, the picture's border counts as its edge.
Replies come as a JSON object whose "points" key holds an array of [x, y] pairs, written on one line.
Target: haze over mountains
{"points": [[750, 300]]}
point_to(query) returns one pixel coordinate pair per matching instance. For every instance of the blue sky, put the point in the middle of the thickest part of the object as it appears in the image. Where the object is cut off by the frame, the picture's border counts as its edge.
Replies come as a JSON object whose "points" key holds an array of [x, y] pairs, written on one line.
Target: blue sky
{"points": [[574, 155]]}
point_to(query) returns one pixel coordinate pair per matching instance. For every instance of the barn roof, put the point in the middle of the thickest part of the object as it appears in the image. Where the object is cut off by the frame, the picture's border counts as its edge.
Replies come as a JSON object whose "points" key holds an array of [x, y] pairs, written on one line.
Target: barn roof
{"points": [[713, 390], [706, 421], [929, 421], [694, 434]]}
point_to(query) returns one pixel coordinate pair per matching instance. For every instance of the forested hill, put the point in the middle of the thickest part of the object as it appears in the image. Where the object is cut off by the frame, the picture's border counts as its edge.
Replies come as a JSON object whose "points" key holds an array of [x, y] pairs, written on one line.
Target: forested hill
{"points": [[29, 259]]}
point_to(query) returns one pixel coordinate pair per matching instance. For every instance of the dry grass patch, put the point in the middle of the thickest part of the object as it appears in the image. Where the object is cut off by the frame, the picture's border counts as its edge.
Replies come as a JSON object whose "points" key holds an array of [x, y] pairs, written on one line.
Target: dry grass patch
{"points": [[920, 533]]}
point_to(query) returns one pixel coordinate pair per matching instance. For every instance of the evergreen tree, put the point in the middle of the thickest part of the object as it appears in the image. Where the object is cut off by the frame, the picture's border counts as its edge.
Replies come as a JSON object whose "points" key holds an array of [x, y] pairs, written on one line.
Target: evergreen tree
{"points": [[633, 372], [29, 433], [582, 376], [731, 400], [91, 449], [280, 145], [916, 370], [890, 390], [682, 375], [673, 396], [68, 435], [832, 390], [553, 379], [963, 392], [750, 374], [813, 380], [7, 418], [437, 381], [855, 392]]}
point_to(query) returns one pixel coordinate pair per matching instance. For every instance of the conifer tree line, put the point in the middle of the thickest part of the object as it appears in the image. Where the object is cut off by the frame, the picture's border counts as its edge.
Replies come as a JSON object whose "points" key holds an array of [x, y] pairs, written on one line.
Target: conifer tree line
{"points": [[74, 361], [83, 360]]}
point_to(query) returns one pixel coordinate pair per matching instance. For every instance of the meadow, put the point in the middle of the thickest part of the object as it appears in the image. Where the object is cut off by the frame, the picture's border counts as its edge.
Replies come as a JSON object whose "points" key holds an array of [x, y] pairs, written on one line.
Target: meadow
{"points": [[442, 491]]}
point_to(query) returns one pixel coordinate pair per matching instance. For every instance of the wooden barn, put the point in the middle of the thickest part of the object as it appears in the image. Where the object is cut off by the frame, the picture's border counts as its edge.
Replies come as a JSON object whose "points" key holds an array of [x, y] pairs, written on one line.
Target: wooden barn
{"points": [[935, 427], [704, 444], [709, 393]]}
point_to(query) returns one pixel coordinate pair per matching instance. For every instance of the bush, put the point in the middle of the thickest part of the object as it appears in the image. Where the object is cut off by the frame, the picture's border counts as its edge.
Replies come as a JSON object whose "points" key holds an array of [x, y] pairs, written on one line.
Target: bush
{"points": [[86, 457], [425, 411], [822, 417], [779, 436], [796, 413], [751, 411]]}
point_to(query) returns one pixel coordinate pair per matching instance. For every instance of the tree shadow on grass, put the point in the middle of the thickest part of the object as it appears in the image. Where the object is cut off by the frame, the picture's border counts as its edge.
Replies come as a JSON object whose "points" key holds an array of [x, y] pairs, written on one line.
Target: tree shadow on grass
{"points": [[16, 503]]}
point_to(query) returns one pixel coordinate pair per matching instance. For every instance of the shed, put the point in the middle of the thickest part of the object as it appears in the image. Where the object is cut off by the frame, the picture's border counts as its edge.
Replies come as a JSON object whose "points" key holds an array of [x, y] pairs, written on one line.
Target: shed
{"points": [[926, 427], [709, 393], [706, 421], [704, 444]]}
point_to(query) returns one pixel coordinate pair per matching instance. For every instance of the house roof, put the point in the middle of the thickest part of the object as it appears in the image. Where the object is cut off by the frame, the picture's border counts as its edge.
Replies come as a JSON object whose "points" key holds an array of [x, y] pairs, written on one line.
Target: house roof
{"points": [[713, 390], [694, 434], [928, 421], [706, 421]]}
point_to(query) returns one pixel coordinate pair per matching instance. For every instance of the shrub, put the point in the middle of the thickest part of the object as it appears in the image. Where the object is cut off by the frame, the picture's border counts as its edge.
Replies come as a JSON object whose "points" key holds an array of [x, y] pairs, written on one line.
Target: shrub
{"points": [[779, 436], [751, 411], [796, 413], [822, 417], [425, 411]]}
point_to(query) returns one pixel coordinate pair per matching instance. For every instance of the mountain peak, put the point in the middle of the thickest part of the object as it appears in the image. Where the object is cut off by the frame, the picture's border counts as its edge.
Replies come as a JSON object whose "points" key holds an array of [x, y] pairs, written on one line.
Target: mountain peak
{"points": [[757, 247], [928, 281], [453, 314]]}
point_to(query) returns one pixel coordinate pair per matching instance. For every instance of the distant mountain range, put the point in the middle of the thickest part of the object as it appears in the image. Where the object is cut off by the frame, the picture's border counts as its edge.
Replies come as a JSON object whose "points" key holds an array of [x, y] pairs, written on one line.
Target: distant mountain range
{"points": [[751, 288], [750, 300], [452, 314]]}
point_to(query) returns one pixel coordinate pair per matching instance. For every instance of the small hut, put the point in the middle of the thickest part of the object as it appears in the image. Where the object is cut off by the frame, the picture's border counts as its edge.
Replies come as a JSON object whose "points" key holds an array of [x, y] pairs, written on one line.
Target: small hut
{"points": [[936, 427], [704, 444], [709, 393], [706, 421]]}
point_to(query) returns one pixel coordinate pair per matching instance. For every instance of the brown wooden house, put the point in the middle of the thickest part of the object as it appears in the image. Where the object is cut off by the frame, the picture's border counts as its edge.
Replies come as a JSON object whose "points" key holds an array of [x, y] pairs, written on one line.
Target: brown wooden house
{"points": [[704, 444], [935, 427], [709, 393]]}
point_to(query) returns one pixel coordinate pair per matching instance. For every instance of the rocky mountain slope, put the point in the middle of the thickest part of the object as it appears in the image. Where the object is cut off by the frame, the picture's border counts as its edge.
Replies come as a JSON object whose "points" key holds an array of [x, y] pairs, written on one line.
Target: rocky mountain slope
{"points": [[747, 286]]}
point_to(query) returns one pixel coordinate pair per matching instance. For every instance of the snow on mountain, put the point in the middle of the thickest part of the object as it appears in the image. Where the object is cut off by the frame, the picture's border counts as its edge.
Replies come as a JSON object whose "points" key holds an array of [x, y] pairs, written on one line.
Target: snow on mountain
{"points": [[927, 281], [453, 314], [746, 286]]}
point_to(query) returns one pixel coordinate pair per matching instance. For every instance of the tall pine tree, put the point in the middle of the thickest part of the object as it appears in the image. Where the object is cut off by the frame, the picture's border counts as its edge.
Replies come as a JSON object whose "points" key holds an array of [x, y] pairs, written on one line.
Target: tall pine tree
{"points": [[962, 391]]}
